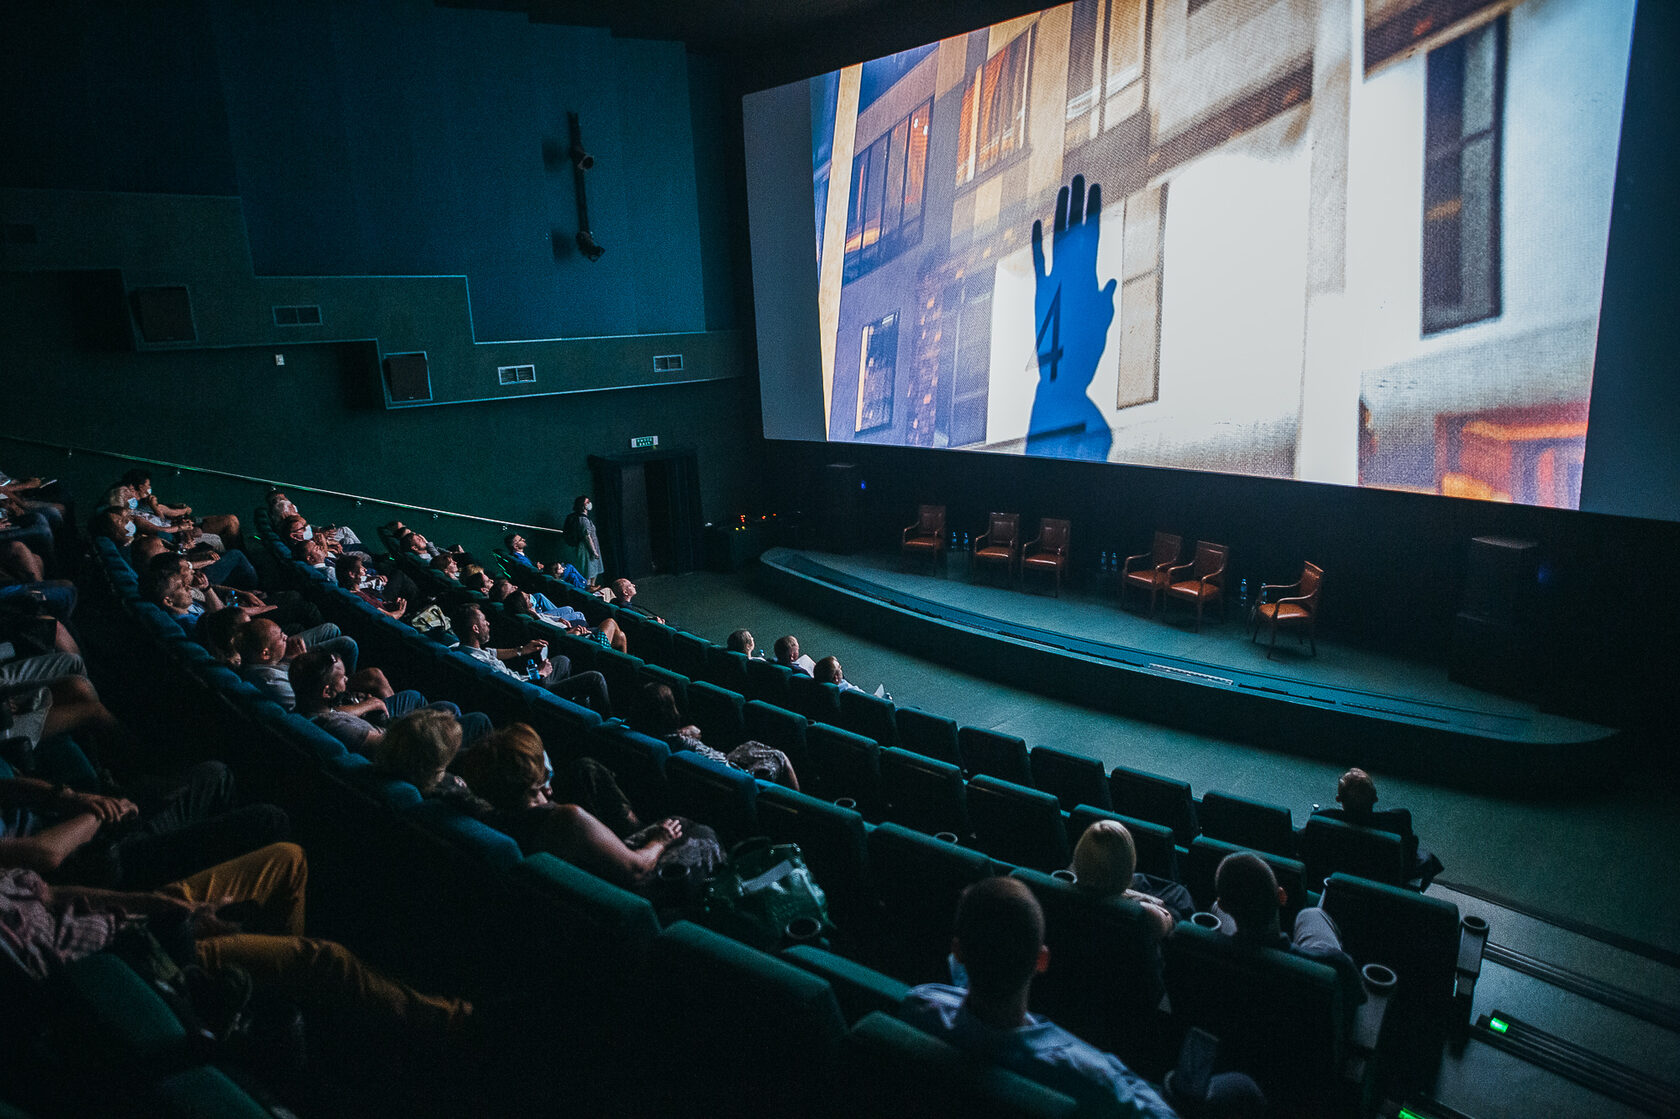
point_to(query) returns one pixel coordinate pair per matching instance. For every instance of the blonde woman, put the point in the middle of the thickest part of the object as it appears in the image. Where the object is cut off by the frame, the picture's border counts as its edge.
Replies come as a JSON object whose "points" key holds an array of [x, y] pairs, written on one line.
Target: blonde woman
{"points": [[1104, 862]]}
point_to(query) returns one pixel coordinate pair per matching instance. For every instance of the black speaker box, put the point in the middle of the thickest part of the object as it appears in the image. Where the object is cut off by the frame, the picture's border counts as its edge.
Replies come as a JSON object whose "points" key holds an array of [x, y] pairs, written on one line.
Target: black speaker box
{"points": [[841, 512], [408, 380], [163, 314], [1500, 578]]}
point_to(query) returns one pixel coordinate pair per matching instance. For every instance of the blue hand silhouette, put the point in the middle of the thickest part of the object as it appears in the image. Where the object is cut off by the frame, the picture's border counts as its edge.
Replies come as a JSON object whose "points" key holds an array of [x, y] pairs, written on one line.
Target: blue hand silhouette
{"points": [[1072, 316]]}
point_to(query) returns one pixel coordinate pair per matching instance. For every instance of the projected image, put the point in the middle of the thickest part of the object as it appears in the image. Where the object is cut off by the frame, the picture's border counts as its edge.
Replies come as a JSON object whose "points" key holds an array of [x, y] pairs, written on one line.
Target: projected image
{"points": [[1343, 242]]}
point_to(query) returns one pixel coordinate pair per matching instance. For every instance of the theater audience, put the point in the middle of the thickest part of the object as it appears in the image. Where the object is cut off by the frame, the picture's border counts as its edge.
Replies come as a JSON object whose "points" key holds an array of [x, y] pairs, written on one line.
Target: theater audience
{"points": [[170, 830], [1356, 793], [1104, 865], [654, 712], [266, 652], [472, 628], [418, 748], [1250, 904], [785, 652], [538, 605], [51, 926], [220, 530], [741, 641], [353, 575], [998, 947], [510, 770], [355, 718], [625, 591], [48, 695], [828, 671]]}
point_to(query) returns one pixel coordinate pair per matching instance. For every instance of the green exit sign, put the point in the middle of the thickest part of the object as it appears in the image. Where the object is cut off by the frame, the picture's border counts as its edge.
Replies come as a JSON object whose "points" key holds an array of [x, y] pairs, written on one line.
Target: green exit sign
{"points": [[643, 442]]}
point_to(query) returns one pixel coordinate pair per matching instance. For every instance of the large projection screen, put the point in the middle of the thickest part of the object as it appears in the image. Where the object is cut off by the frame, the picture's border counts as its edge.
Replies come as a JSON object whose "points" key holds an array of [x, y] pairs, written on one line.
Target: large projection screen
{"points": [[1349, 241]]}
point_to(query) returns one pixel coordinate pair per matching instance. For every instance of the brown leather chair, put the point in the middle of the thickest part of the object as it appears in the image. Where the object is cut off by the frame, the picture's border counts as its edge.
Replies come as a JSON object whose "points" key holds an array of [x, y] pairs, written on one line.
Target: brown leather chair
{"points": [[1048, 551], [1200, 581], [927, 536], [1148, 571], [1296, 611], [999, 544]]}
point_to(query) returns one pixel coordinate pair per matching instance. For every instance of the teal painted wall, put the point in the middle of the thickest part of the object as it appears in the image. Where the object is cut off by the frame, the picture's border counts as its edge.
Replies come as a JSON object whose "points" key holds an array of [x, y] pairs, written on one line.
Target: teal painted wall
{"points": [[319, 145], [310, 422]]}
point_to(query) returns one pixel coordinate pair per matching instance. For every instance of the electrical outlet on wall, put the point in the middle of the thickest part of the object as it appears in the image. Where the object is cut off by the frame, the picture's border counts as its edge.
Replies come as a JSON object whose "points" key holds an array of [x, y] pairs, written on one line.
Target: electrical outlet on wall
{"points": [[279, 359]]}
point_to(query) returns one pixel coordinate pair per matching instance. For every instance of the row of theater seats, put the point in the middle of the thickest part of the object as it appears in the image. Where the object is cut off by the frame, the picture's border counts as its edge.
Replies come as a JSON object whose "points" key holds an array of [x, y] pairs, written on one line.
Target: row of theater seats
{"points": [[893, 888], [455, 906], [925, 771]]}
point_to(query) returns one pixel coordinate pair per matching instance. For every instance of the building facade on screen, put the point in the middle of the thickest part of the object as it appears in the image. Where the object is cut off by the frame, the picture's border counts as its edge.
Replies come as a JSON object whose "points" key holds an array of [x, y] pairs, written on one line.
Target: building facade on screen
{"points": [[1354, 241]]}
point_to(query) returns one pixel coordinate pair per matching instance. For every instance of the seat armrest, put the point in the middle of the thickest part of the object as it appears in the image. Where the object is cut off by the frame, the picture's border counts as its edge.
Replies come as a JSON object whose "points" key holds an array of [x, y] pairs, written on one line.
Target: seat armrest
{"points": [[1472, 942], [1368, 1021], [1132, 559], [1174, 569]]}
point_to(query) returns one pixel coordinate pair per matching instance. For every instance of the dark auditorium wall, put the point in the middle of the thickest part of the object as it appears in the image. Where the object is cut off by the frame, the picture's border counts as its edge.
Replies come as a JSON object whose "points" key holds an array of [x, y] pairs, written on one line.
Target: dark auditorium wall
{"points": [[310, 422], [385, 138]]}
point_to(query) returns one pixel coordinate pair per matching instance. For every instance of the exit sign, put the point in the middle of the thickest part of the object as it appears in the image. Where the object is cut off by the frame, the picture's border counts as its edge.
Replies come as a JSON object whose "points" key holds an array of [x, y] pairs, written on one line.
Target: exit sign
{"points": [[643, 442]]}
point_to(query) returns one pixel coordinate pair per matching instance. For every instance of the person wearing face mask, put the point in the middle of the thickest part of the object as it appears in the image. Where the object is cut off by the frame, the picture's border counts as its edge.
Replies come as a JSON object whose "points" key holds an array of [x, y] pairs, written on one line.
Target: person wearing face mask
{"points": [[579, 532]]}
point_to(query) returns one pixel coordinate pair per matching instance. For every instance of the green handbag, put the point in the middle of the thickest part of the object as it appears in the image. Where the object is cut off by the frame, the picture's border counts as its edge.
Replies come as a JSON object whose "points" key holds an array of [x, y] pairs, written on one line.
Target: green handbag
{"points": [[763, 890]]}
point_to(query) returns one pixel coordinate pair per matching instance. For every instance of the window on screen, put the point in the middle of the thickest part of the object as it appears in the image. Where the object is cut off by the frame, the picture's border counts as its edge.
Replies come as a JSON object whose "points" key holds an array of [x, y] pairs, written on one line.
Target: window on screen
{"points": [[994, 111], [878, 364], [1464, 118], [888, 178]]}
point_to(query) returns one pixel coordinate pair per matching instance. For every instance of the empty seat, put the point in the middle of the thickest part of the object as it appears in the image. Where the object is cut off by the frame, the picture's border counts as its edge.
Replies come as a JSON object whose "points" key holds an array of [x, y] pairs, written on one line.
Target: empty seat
{"points": [[769, 682], [713, 793], [717, 712], [918, 879], [1156, 852], [870, 716], [890, 1067], [1073, 779], [998, 755], [1247, 823], [637, 760], [1017, 824], [1202, 861], [689, 654], [778, 727], [1329, 845], [1160, 800], [923, 793], [726, 669], [846, 765], [654, 641], [860, 990], [931, 735], [1413, 934], [818, 702], [832, 839], [771, 1031], [620, 669]]}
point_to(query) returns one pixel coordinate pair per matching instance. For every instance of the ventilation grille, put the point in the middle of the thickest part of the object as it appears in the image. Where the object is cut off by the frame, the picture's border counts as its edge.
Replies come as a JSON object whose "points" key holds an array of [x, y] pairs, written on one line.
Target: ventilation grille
{"points": [[668, 363], [516, 374], [305, 314]]}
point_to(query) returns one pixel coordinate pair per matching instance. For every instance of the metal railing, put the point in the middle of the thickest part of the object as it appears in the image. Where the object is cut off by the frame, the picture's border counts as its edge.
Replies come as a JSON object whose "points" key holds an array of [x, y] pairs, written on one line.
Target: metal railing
{"points": [[272, 483]]}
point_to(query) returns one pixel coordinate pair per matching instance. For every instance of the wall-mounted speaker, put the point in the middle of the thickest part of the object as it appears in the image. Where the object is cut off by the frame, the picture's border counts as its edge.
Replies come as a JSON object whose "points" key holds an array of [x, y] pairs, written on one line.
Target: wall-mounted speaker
{"points": [[163, 313], [408, 379]]}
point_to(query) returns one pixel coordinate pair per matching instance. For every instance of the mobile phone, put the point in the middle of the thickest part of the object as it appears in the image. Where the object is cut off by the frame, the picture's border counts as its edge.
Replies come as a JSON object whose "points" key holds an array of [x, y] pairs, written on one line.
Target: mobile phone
{"points": [[1195, 1064]]}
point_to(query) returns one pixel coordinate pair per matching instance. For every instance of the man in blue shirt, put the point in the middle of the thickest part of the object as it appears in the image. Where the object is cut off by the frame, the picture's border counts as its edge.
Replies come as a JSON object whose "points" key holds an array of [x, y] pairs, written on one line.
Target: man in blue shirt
{"points": [[999, 943]]}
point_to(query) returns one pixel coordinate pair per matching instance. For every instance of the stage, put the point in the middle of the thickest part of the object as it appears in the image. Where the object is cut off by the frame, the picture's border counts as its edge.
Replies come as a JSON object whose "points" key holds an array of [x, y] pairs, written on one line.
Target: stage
{"points": [[1346, 705]]}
